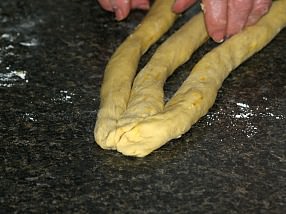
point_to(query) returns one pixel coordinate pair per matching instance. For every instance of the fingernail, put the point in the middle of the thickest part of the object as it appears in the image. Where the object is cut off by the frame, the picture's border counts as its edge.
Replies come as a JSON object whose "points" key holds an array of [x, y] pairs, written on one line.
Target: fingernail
{"points": [[118, 14], [218, 36], [203, 7]]}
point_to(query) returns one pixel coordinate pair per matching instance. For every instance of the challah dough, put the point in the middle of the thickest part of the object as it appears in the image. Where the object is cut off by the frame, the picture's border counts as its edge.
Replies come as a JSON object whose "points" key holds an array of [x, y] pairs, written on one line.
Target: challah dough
{"points": [[121, 68], [147, 95], [145, 123]]}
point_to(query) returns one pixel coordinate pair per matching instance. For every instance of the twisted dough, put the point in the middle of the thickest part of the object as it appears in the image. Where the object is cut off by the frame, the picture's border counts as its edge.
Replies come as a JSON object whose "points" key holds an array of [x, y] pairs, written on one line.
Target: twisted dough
{"points": [[146, 124], [121, 68]]}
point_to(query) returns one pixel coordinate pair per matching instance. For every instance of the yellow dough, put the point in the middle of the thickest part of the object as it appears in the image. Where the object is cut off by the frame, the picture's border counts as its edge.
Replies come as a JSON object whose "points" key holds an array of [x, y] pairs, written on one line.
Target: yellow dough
{"points": [[122, 66], [145, 124], [147, 95]]}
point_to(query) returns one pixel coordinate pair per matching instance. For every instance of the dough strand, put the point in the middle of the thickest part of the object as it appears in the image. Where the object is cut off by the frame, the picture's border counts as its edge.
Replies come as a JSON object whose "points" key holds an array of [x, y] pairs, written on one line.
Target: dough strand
{"points": [[121, 68], [138, 123], [197, 94], [147, 95]]}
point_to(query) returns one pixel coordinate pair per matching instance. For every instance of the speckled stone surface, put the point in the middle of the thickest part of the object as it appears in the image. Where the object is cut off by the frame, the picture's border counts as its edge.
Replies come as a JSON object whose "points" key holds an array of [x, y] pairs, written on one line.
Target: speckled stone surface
{"points": [[52, 58]]}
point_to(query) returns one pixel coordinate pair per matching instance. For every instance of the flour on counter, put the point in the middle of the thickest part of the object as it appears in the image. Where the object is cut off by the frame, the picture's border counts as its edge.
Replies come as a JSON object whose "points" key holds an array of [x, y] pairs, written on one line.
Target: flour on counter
{"points": [[9, 75], [240, 114], [13, 77], [11, 37], [33, 42], [64, 97], [243, 105], [30, 117], [247, 112], [14, 36]]}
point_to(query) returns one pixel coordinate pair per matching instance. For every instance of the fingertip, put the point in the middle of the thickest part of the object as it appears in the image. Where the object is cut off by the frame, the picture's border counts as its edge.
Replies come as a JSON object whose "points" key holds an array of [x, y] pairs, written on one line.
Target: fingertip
{"points": [[140, 4], [177, 7], [143, 7], [216, 19], [106, 5], [231, 32], [235, 26], [181, 5], [121, 9], [218, 36], [119, 14]]}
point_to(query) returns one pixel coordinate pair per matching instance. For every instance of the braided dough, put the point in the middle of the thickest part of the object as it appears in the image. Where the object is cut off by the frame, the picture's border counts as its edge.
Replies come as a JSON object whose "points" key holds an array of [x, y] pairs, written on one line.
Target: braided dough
{"points": [[136, 121]]}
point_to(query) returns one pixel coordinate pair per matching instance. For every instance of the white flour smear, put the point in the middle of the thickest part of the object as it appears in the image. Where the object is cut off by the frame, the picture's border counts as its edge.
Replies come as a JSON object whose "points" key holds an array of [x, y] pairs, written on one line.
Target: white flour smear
{"points": [[13, 36], [244, 114], [63, 97], [13, 77]]}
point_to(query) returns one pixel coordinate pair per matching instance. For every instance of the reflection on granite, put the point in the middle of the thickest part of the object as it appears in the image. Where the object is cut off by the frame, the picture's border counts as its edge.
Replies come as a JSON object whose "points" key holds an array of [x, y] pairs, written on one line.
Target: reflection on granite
{"points": [[52, 57]]}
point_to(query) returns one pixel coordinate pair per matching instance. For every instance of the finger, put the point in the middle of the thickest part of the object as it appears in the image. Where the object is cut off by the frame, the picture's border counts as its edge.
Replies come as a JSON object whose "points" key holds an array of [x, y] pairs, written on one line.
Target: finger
{"points": [[215, 18], [121, 8], [140, 4], [105, 4], [181, 5], [260, 8], [237, 15]]}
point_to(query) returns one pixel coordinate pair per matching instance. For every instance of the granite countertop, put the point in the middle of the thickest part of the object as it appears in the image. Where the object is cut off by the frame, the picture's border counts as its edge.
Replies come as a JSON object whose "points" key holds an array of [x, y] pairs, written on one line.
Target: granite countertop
{"points": [[52, 58]]}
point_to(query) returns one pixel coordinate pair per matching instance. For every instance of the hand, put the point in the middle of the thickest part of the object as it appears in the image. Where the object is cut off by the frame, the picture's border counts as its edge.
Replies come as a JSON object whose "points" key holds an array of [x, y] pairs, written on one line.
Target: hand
{"points": [[225, 18], [121, 8]]}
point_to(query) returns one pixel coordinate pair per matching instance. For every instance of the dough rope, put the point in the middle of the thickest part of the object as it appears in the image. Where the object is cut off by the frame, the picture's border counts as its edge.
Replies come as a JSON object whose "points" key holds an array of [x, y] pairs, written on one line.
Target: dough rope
{"points": [[147, 95], [121, 68], [160, 124]]}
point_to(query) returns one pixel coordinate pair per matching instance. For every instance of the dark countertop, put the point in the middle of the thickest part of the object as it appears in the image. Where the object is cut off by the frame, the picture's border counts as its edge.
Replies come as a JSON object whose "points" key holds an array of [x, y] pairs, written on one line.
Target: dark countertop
{"points": [[52, 58]]}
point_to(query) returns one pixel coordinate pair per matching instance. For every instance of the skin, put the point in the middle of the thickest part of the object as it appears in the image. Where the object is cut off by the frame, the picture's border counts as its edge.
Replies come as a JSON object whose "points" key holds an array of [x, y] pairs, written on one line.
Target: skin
{"points": [[121, 8], [223, 18]]}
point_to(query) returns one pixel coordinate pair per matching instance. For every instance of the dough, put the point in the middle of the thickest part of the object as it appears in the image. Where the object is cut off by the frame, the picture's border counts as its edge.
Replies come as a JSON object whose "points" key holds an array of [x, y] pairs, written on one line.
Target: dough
{"points": [[147, 124], [147, 95], [121, 69]]}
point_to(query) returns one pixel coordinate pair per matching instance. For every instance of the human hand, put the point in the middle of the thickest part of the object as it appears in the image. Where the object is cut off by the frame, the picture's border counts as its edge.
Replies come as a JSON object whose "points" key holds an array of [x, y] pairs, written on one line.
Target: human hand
{"points": [[121, 8], [225, 18]]}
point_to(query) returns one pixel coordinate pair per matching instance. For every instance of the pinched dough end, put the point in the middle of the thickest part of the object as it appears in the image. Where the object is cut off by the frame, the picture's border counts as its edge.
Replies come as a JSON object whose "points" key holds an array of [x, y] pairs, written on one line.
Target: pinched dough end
{"points": [[102, 130], [141, 139]]}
